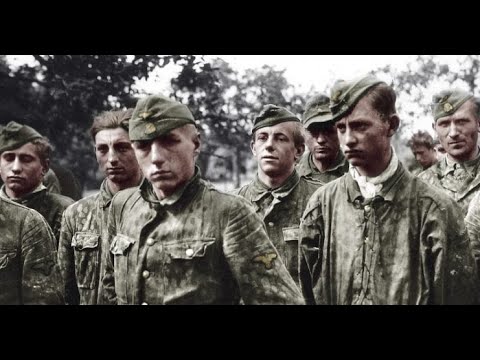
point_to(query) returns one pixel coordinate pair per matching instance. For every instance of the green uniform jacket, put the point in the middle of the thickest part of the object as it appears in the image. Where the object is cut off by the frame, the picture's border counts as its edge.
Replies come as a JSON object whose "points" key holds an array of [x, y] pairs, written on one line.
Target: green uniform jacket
{"points": [[461, 189], [307, 169], [407, 246], [207, 248], [281, 210], [84, 225], [51, 206], [28, 270]]}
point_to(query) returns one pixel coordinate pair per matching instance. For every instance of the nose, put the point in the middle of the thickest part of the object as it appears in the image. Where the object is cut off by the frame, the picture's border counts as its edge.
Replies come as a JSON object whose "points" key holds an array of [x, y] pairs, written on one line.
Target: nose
{"points": [[320, 138], [157, 154], [453, 130], [17, 166], [112, 156], [269, 144], [349, 138]]}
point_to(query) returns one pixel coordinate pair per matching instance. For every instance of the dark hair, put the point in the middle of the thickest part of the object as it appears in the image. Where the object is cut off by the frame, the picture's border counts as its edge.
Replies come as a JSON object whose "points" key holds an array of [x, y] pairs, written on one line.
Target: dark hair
{"points": [[421, 138], [382, 98], [110, 120], [44, 149]]}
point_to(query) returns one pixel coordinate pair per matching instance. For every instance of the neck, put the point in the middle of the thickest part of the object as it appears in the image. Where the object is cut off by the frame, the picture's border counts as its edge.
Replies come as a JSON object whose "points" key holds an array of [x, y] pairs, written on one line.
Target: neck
{"points": [[324, 164], [274, 182], [17, 195], [375, 168], [117, 186], [458, 159]]}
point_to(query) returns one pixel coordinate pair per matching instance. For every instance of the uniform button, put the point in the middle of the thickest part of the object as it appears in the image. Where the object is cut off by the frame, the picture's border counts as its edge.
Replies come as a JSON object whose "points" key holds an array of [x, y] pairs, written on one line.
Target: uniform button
{"points": [[146, 274], [271, 224], [150, 242], [189, 252], [144, 303], [366, 240], [368, 208]]}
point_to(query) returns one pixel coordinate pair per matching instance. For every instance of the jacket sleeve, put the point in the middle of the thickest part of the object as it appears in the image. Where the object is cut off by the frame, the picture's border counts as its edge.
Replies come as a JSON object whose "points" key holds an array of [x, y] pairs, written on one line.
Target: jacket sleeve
{"points": [[310, 260], [256, 266], [66, 260], [472, 222], [449, 265], [41, 280]]}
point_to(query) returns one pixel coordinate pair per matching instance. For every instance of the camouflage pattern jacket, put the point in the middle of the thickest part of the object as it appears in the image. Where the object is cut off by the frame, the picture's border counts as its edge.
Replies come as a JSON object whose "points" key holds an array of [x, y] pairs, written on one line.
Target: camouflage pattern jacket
{"points": [[80, 250], [206, 248], [460, 181], [28, 270], [51, 206], [307, 169], [281, 210], [406, 246]]}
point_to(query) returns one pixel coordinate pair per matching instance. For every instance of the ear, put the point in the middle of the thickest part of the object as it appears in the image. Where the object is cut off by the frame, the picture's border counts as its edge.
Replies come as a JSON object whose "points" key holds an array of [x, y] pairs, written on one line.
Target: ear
{"points": [[198, 144], [252, 147], [299, 150], [394, 123], [46, 167]]}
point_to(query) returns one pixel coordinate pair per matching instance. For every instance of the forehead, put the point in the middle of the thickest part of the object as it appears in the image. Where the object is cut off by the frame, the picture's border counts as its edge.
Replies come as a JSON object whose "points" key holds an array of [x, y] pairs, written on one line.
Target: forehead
{"points": [[285, 128], [363, 111], [419, 148], [111, 136], [466, 111], [27, 149]]}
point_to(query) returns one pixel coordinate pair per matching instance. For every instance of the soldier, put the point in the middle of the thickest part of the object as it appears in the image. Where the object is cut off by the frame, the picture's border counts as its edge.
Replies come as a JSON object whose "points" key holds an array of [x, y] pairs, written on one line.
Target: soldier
{"points": [[325, 161], [456, 116], [24, 160], [422, 146], [84, 223], [178, 240], [28, 271], [278, 194], [379, 235]]}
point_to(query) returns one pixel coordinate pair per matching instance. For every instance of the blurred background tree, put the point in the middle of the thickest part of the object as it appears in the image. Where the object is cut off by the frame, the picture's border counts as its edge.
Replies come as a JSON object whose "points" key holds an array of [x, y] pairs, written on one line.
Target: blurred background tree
{"points": [[60, 94]]}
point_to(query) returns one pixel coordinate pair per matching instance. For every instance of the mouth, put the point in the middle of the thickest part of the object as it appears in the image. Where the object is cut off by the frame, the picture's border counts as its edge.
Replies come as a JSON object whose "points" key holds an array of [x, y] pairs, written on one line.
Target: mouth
{"points": [[321, 149], [114, 170], [269, 158], [15, 179], [161, 175]]}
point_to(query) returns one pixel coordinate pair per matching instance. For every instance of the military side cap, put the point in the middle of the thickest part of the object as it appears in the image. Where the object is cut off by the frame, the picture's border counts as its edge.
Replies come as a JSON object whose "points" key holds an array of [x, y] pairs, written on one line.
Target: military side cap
{"points": [[15, 135], [447, 102], [157, 115], [346, 94], [317, 110], [272, 115]]}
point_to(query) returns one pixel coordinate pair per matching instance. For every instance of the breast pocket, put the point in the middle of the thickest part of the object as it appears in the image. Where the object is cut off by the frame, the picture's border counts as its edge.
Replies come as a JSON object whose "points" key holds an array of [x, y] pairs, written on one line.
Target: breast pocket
{"points": [[191, 258], [87, 257], [121, 247]]}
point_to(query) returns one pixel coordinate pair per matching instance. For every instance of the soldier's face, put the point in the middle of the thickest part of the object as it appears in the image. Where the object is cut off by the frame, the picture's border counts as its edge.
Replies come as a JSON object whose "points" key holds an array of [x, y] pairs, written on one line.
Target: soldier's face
{"points": [[458, 133], [21, 170], [168, 161], [365, 138], [426, 157], [322, 141], [275, 151], [115, 155]]}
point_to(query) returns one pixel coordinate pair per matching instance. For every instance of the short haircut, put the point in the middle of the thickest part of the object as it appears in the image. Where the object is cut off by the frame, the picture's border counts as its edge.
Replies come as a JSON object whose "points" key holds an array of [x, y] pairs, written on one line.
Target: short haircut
{"points": [[110, 120], [382, 98], [421, 138]]}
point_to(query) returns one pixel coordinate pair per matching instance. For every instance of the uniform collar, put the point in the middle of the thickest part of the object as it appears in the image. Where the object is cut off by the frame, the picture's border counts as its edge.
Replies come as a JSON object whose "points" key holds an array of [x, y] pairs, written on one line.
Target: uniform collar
{"points": [[259, 189], [25, 198]]}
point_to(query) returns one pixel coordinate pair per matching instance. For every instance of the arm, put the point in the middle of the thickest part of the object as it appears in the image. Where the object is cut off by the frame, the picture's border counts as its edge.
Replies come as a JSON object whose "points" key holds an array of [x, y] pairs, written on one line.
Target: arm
{"points": [[41, 280], [66, 260], [309, 257], [472, 222], [261, 275], [448, 255]]}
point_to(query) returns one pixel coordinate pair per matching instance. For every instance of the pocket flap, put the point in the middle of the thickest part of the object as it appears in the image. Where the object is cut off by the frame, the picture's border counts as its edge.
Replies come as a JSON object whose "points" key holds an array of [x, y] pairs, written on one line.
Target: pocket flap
{"points": [[120, 244], [5, 257], [82, 240], [188, 250], [291, 233]]}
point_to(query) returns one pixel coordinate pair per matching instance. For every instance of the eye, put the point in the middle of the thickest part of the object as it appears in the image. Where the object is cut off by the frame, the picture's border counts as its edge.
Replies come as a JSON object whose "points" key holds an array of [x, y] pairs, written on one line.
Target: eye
{"points": [[341, 128], [141, 145], [102, 149]]}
